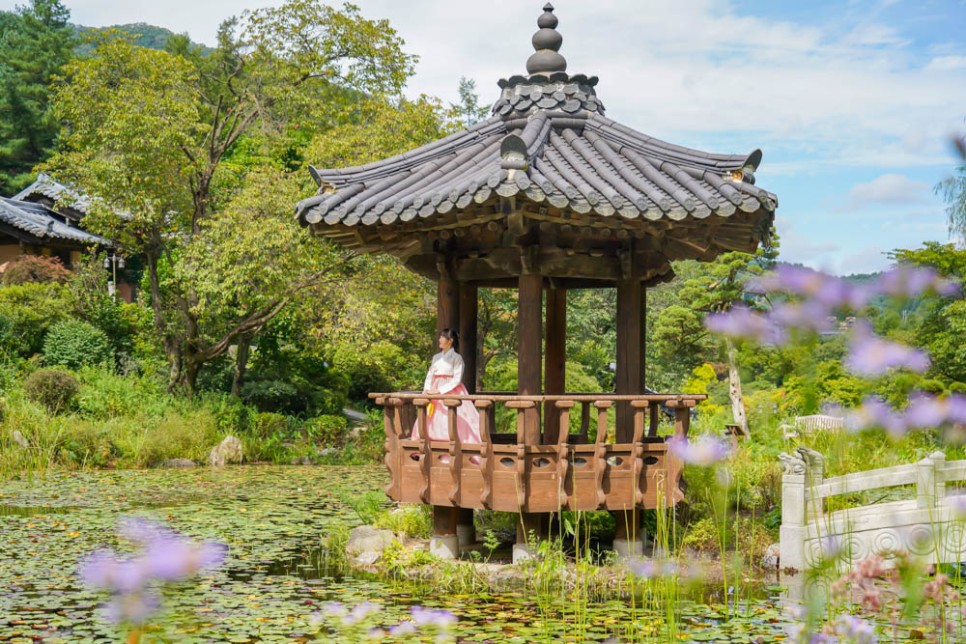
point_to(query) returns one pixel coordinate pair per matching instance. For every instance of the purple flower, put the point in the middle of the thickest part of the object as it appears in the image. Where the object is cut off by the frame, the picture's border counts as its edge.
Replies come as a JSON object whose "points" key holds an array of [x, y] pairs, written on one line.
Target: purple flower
{"points": [[104, 570], [811, 284], [874, 412], [856, 630], [913, 281], [808, 316], [141, 531], [652, 569], [871, 355], [174, 558], [132, 608], [442, 619], [704, 451], [925, 410], [741, 322]]}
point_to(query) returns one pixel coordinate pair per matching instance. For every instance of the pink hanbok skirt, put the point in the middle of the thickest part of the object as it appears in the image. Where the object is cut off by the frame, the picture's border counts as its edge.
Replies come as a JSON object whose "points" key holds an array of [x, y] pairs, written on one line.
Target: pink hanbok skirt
{"points": [[467, 418]]}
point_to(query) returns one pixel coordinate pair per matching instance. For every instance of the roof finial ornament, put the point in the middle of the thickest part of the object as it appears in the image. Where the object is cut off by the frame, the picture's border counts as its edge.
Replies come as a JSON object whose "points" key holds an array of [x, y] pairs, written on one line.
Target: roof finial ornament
{"points": [[546, 41]]}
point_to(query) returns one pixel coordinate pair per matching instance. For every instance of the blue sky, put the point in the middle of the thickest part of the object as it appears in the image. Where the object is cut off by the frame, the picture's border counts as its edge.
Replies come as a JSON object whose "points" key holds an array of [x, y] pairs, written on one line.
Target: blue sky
{"points": [[852, 102]]}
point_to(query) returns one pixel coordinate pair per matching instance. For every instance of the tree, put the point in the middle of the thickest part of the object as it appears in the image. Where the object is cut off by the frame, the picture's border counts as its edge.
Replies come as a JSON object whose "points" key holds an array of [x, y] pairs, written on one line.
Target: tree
{"points": [[953, 191], [711, 288], [35, 42], [166, 142]]}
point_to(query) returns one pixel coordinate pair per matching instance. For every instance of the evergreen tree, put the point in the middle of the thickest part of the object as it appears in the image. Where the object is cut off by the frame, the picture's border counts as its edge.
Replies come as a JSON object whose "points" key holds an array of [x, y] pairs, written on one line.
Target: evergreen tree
{"points": [[35, 42]]}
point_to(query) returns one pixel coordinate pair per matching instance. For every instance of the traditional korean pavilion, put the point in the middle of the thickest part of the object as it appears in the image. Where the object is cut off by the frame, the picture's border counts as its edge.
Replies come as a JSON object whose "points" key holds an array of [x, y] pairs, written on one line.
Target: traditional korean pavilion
{"points": [[545, 196]]}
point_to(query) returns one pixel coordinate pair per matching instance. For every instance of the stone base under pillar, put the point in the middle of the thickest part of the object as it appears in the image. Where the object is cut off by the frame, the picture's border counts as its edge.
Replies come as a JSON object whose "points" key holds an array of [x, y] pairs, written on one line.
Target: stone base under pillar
{"points": [[626, 548], [466, 534], [445, 547], [522, 552]]}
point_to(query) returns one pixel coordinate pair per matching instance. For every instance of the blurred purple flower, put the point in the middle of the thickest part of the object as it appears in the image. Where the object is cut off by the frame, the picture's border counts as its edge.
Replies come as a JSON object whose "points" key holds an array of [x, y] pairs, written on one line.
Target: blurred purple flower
{"points": [[913, 281], [811, 284], [165, 556], [132, 608], [807, 316], [653, 569], [874, 412], [925, 410], [174, 558], [741, 322], [704, 451], [854, 629], [359, 613], [427, 616], [871, 355]]}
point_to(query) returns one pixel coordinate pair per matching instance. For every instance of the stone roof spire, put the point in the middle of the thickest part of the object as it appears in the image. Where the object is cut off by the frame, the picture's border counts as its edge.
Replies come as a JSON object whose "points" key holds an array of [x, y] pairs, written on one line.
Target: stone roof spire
{"points": [[546, 41]]}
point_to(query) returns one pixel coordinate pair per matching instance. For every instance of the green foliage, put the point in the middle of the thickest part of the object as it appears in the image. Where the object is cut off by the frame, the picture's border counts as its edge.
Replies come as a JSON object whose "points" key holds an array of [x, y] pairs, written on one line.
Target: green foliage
{"points": [[35, 41], [74, 344], [415, 521], [35, 268], [204, 154], [30, 310], [54, 389]]}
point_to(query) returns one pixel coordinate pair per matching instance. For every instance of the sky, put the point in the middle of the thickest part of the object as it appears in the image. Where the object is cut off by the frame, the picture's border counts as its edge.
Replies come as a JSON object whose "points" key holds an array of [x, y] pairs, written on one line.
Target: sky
{"points": [[853, 102]]}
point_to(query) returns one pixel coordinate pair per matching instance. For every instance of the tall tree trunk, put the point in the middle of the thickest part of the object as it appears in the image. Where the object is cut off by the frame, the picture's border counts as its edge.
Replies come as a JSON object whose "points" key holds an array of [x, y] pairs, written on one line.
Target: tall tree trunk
{"points": [[241, 364], [171, 344], [734, 388]]}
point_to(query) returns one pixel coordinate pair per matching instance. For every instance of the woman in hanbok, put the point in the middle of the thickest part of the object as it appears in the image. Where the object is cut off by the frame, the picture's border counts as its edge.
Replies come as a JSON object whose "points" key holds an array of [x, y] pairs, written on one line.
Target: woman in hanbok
{"points": [[445, 378]]}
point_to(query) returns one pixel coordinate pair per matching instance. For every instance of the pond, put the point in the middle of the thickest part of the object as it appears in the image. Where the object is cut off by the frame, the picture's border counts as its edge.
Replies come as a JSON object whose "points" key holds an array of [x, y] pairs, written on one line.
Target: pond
{"points": [[272, 585]]}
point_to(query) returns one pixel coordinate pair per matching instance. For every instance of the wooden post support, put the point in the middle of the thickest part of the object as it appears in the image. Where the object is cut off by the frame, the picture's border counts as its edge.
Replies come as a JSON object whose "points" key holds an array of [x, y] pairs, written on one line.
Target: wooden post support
{"points": [[630, 329], [529, 365], [445, 519], [555, 369], [469, 334]]}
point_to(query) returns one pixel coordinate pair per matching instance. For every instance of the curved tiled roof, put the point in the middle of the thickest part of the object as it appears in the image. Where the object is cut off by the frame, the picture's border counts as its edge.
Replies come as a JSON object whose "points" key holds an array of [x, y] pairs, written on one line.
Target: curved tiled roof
{"points": [[46, 186], [549, 143], [37, 221], [585, 163]]}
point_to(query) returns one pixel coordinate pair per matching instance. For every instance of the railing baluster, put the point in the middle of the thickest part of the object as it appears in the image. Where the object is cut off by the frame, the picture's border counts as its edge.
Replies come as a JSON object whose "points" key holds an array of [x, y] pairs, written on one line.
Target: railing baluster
{"points": [[422, 425], [563, 451], [640, 408], [600, 450], [655, 418], [455, 450], [486, 454], [584, 422], [523, 480]]}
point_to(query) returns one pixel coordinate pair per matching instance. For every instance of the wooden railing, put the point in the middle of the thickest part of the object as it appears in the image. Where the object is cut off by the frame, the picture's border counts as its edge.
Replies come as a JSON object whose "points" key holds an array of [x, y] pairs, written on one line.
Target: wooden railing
{"points": [[624, 467]]}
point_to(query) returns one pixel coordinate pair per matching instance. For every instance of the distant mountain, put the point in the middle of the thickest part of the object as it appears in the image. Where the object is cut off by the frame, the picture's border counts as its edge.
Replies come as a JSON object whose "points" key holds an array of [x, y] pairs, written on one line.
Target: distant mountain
{"points": [[144, 35]]}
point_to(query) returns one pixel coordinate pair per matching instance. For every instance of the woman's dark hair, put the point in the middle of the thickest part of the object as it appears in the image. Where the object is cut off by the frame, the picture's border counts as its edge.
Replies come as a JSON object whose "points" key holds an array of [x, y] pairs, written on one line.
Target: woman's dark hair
{"points": [[451, 334]]}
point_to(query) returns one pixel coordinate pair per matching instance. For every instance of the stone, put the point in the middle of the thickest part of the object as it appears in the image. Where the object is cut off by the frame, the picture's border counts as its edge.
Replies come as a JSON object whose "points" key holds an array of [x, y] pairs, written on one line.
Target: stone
{"points": [[176, 463], [227, 451], [445, 546], [772, 556], [19, 439], [366, 544]]}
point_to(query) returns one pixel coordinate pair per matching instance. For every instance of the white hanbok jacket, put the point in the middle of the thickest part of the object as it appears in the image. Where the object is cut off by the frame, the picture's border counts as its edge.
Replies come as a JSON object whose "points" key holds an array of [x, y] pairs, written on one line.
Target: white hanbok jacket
{"points": [[446, 370]]}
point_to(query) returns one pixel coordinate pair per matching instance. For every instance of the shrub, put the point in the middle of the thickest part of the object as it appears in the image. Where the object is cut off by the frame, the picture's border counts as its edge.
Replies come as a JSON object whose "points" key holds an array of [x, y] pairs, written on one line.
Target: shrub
{"points": [[31, 309], [270, 395], [35, 268], [329, 430], [53, 388], [85, 445], [74, 344], [190, 435], [410, 520], [267, 425]]}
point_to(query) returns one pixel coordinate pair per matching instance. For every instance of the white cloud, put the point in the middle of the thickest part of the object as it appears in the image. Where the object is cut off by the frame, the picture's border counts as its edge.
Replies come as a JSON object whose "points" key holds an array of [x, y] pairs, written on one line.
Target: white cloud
{"points": [[946, 64], [888, 189]]}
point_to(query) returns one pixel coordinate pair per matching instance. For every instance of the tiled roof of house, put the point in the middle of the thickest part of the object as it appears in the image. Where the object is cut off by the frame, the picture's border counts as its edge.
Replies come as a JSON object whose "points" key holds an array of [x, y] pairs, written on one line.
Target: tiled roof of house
{"points": [[37, 221]]}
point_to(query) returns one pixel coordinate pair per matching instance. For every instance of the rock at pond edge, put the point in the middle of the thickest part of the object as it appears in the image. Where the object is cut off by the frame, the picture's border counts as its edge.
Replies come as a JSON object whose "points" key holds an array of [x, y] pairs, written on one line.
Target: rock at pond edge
{"points": [[227, 451]]}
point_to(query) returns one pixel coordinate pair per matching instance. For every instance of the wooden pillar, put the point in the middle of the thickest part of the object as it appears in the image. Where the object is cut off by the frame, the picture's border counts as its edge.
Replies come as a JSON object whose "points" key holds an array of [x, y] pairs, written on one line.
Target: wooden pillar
{"points": [[469, 334], [630, 331], [529, 366], [445, 519], [555, 367], [468, 312], [643, 339]]}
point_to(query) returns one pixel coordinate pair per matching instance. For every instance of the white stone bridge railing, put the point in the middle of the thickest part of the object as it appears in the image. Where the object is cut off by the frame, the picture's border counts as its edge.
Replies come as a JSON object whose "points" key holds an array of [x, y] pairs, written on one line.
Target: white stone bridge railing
{"points": [[926, 526]]}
